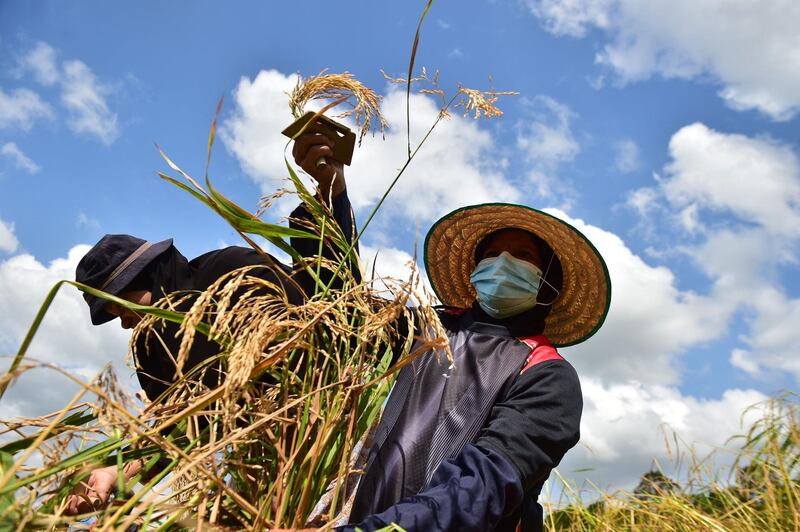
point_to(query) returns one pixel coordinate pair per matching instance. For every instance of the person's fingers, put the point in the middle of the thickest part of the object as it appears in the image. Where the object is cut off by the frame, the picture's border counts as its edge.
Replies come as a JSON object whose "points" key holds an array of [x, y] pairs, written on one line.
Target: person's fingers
{"points": [[313, 148], [86, 504], [102, 487], [75, 498], [71, 508], [89, 495], [305, 142], [80, 504]]}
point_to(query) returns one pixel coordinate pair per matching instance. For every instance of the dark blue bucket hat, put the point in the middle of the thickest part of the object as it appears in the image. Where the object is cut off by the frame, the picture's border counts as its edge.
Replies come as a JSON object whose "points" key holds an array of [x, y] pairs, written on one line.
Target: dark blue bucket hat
{"points": [[111, 265]]}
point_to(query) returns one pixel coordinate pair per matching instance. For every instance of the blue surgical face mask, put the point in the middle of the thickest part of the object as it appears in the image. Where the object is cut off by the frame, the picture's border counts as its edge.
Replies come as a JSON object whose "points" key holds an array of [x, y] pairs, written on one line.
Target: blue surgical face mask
{"points": [[506, 285]]}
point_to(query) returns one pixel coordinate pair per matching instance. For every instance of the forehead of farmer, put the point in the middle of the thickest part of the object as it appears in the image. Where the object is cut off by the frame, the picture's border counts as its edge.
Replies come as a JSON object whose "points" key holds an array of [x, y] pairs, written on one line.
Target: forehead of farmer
{"points": [[518, 242]]}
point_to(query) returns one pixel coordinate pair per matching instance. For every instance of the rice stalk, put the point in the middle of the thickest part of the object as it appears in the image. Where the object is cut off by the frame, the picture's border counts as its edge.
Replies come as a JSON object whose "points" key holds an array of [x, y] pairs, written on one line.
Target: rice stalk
{"points": [[364, 102], [283, 445]]}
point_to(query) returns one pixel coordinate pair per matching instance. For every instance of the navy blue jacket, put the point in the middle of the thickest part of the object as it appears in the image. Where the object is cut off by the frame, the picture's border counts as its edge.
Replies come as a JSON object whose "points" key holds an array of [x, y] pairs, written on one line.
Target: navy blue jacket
{"points": [[492, 481]]}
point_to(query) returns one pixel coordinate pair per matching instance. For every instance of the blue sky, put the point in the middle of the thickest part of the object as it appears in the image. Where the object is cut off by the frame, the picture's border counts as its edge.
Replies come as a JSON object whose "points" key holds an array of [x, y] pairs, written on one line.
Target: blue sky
{"points": [[666, 131]]}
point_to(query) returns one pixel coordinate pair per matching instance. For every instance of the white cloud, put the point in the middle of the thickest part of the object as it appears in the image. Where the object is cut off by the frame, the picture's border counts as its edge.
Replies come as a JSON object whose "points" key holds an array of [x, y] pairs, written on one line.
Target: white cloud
{"points": [[457, 166], [386, 261], [775, 339], [627, 157], [82, 94], [757, 179], [651, 322], [571, 17], [21, 161], [253, 132], [546, 141], [741, 196], [22, 108], [642, 200], [66, 337], [734, 258], [664, 325], [626, 428], [8, 240], [751, 48], [85, 97], [391, 263], [41, 61]]}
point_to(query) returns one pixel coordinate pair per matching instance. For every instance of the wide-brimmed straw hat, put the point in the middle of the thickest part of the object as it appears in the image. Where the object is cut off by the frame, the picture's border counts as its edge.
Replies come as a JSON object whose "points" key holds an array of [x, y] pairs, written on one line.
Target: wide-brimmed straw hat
{"points": [[585, 295], [111, 265]]}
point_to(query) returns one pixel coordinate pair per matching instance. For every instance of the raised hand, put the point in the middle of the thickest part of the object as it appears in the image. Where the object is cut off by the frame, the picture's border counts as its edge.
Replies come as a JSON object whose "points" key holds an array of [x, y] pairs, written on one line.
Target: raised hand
{"points": [[313, 153]]}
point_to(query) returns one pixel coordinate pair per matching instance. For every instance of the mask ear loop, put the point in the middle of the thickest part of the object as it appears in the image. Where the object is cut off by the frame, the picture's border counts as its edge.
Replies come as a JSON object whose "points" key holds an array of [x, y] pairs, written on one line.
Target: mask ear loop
{"points": [[544, 281]]}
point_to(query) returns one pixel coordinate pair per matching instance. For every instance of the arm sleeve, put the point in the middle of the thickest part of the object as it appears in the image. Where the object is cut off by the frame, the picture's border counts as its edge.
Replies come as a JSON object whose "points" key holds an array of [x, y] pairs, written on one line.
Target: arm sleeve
{"points": [[307, 248], [537, 421], [529, 430], [469, 492]]}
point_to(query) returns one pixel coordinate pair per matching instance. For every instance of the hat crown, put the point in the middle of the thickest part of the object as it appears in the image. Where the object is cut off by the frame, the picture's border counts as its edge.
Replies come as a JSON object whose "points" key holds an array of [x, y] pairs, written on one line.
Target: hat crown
{"points": [[95, 267]]}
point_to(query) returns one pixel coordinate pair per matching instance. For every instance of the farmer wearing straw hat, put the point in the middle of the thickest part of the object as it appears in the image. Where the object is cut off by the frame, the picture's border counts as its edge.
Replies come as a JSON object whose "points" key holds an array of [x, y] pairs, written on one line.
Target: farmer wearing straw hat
{"points": [[469, 446], [143, 272]]}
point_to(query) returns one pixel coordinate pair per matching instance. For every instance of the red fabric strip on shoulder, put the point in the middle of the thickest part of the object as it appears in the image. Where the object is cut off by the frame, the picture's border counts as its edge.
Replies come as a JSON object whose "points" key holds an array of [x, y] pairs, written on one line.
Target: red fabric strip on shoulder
{"points": [[541, 351]]}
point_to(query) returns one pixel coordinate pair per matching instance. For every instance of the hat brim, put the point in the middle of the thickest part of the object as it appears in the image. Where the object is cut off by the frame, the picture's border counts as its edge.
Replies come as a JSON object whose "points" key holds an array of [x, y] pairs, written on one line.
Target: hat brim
{"points": [[585, 295], [97, 305]]}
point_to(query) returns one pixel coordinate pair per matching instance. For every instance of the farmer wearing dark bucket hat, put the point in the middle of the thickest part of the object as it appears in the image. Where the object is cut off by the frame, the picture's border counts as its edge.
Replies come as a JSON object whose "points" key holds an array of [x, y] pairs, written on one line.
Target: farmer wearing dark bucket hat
{"points": [[469, 446], [145, 272], [142, 272], [113, 265]]}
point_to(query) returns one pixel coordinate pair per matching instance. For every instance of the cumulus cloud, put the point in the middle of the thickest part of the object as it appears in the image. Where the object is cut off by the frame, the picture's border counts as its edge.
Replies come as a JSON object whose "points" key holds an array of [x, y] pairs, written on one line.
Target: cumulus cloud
{"points": [[626, 427], [757, 179], [752, 49], [457, 166], [546, 141], [253, 131], [66, 337], [571, 17], [642, 200], [8, 240], [772, 347], [21, 108], [84, 96], [643, 337], [388, 262], [20, 160], [740, 196]]}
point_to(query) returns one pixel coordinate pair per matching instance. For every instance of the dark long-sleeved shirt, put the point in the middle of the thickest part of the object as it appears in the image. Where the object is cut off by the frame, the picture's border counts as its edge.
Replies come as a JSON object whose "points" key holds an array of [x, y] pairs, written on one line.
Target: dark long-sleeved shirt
{"points": [[155, 368]]}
